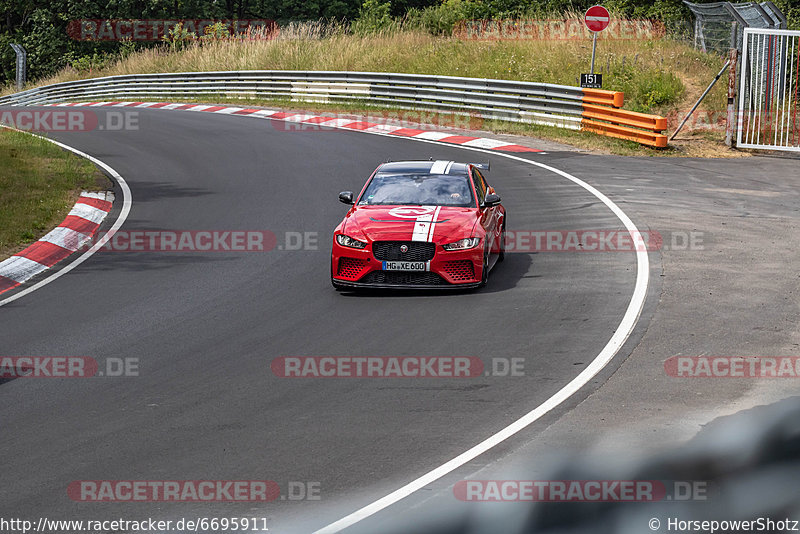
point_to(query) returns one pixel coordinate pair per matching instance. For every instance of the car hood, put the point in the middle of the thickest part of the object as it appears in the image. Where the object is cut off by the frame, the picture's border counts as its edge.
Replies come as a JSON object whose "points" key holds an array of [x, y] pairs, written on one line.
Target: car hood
{"points": [[438, 224]]}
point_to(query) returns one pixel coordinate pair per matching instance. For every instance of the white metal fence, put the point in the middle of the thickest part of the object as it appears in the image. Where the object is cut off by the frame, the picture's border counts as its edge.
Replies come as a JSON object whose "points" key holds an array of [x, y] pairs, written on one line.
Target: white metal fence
{"points": [[769, 114]]}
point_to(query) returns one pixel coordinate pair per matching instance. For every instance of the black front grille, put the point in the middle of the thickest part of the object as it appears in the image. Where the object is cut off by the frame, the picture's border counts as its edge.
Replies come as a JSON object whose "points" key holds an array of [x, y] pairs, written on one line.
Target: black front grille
{"points": [[409, 278], [390, 250]]}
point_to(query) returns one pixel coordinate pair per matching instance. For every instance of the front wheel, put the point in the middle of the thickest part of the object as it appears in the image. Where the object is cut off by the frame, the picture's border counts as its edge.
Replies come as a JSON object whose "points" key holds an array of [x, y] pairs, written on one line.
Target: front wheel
{"points": [[485, 270]]}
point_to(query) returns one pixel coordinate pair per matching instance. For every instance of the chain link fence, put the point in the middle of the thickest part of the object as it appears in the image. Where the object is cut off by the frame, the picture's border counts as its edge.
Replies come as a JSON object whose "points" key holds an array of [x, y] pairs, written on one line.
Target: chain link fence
{"points": [[719, 26]]}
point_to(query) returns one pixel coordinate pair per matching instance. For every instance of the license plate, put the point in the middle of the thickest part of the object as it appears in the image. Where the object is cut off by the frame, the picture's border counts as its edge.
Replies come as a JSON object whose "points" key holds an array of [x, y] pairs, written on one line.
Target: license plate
{"points": [[406, 266]]}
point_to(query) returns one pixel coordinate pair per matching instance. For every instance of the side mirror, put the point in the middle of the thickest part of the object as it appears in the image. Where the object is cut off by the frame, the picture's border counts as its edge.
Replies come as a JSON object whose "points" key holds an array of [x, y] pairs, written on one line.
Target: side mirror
{"points": [[491, 200], [346, 197]]}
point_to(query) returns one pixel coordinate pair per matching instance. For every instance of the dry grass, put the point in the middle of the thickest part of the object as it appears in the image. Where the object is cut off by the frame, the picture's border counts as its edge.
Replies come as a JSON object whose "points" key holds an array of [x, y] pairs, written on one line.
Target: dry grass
{"points": [[657, 75], [626, 64]]}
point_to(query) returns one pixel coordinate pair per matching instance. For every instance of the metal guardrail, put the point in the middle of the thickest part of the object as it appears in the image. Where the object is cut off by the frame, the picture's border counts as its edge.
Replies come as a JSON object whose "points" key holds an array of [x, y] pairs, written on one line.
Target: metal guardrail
{"points": [[529, 102]]}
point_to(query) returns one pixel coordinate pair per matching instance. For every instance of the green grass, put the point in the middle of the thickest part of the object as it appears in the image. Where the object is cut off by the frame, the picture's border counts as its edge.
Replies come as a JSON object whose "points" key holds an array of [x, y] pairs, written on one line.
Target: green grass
{"points": [[39, 183]]}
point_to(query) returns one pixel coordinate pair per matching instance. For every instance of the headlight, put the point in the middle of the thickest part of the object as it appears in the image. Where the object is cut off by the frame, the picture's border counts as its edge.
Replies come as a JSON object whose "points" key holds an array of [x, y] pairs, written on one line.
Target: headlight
{"points": [[463, 244], [347, 241]]}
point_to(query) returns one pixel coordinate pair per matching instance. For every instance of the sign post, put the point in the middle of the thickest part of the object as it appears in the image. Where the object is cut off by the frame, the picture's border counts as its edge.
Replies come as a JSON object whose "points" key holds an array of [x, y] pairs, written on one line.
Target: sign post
{"points": [[596, 19]]}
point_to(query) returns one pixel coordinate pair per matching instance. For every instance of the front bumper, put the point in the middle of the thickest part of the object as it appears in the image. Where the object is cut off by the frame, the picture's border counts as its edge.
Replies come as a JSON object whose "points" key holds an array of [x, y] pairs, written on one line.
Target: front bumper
{"points": [[447, 270], [444, 287]]}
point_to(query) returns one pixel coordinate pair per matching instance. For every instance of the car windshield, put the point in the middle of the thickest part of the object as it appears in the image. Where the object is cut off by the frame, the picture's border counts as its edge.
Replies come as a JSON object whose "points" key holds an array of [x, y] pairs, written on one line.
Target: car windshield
{"points": [[418, 189]]}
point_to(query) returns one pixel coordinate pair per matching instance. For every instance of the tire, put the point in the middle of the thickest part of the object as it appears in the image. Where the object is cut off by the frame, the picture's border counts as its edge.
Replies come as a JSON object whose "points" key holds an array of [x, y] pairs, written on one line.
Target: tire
{"points": [[502, 254], [485, 270]]}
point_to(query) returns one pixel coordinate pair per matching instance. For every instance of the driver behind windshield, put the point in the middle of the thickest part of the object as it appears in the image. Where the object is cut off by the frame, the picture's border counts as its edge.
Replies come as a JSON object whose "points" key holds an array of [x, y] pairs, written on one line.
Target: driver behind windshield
{"points": [[421, 190]]}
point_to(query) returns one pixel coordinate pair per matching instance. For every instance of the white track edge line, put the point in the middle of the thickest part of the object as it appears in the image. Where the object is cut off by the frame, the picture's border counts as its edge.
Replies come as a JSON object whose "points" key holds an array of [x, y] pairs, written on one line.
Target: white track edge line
{"points": [[621, 335], [126, 208]]}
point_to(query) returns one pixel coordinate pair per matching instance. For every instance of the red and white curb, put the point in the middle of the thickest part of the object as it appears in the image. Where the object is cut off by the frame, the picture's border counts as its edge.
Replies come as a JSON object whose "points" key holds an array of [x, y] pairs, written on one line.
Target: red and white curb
{"points": [[77, 229], [323, 121]]}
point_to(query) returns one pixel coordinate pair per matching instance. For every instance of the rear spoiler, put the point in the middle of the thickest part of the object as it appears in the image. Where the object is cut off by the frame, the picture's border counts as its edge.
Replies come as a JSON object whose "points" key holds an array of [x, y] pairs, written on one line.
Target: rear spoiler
{"points": [[482, 166]]}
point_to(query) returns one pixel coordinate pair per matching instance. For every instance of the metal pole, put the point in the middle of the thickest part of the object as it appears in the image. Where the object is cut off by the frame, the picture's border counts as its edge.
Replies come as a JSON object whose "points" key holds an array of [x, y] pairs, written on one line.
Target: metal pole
{"points": [[22, 62], [594, 47], [731, 124], [686, 118]]}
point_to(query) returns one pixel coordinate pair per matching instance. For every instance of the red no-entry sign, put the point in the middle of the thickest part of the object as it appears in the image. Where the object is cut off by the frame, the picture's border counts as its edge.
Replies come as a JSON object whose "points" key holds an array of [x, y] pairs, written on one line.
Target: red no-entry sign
{"points": [[596, 18]]}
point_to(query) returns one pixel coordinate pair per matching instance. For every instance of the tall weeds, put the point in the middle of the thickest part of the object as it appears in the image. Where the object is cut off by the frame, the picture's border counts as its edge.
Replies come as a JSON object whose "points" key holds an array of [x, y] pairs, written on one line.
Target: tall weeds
{"points": [[649, 71]]}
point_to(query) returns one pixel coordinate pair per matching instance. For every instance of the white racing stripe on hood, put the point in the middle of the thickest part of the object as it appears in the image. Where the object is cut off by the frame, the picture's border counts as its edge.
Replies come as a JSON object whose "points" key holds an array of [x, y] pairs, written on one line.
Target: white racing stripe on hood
{"points": [[424, 225], [433, 222], [440, 166]]}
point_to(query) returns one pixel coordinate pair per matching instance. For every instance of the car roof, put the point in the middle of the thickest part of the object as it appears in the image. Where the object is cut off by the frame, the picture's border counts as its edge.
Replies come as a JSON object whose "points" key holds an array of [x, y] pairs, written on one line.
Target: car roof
{"points": [[425, 167]]}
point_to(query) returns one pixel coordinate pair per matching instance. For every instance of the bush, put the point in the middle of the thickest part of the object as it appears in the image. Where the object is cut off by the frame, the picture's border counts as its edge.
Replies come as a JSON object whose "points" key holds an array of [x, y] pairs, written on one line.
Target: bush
{"points": [[648, 90], [656, 89], [90, 62], [178, 37], [374, 17], [216, 32], [439, 19]]}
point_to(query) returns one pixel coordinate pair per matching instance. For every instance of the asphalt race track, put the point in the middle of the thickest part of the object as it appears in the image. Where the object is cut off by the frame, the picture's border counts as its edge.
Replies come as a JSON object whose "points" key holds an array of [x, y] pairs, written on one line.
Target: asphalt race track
{"points": [[205, 326]]}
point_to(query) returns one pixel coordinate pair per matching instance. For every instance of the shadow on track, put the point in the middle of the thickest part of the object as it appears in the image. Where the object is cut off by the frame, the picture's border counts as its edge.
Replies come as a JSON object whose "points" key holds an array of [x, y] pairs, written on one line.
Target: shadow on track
{"points": [[143, 191]]}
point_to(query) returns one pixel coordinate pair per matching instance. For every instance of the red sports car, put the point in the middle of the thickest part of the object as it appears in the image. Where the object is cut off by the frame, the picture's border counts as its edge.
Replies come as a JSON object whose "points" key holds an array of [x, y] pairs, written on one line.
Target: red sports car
{"points": [[419, 224]]}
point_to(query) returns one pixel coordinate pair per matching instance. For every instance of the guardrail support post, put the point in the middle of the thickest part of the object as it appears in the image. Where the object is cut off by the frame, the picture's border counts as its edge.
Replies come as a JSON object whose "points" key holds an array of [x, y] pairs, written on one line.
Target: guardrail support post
{"points": [[732, 120], [22, 65]]}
